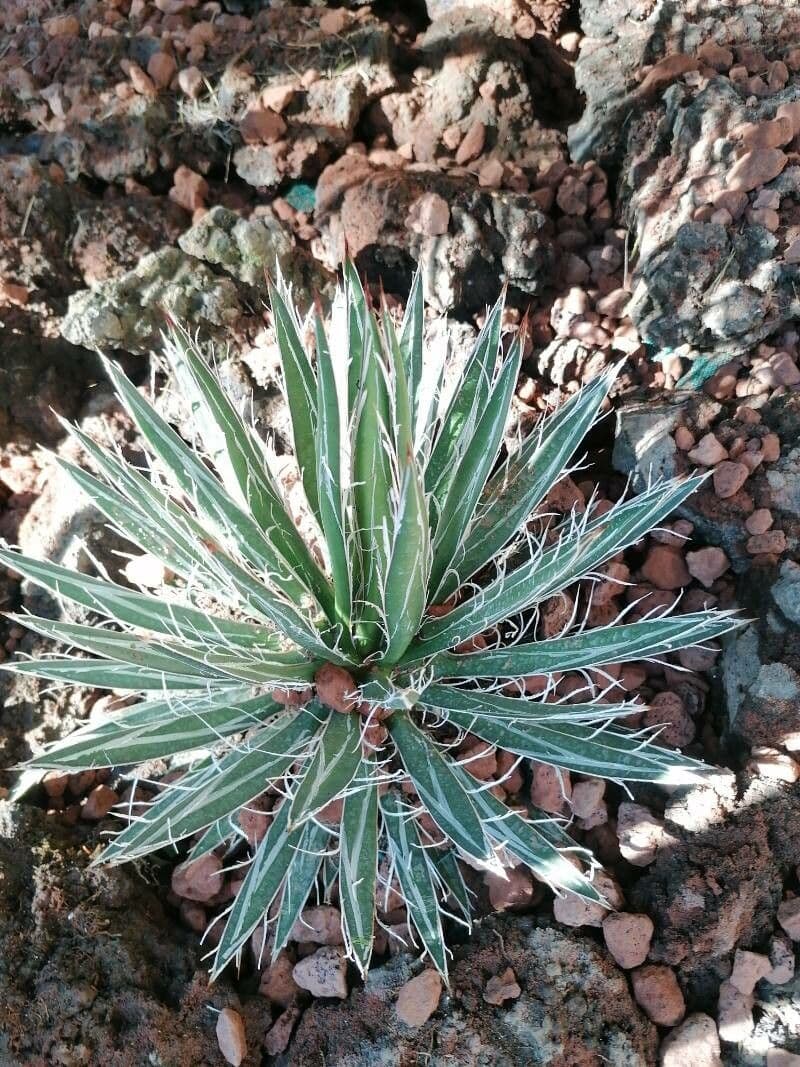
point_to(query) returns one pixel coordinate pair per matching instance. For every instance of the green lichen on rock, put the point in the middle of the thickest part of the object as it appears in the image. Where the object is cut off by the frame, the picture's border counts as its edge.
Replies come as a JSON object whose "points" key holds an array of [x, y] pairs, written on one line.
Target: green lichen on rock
{"points": [[129, 312]]}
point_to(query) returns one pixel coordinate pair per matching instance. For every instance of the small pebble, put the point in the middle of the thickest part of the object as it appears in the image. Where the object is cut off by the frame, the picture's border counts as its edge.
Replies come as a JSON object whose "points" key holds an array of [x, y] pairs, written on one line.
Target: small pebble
{"points": [[419, 998], [231, 1036], [627, 937], [323, 974], [728, 478], [707, 564], [502, 987], [695, 1043], [657, 992], [789, 917]]}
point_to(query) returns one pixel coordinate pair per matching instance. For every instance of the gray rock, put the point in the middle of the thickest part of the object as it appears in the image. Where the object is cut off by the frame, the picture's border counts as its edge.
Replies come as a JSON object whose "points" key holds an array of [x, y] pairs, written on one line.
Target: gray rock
{"points": [[740, 666], [259, 165], [624, 35], [129, 312], [244, 248], [786, 591], [575, 1006]]}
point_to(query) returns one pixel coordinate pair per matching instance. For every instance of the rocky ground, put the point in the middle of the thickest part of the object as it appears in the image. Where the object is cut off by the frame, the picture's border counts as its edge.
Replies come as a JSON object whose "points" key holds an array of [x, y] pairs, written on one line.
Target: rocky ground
{"points": [[631, 169]]}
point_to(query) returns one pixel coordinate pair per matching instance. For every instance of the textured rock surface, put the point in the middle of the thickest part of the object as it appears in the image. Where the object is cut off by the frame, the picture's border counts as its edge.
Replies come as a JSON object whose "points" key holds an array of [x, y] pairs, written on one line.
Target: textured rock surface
{"points": [[492, 236], [91, 968], [472, 71], [575, 1007], [129, 312]]}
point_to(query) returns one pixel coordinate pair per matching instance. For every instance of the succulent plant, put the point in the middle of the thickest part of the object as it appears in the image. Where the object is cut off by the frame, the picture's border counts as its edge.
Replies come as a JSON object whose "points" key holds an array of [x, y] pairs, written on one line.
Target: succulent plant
{"points": [[340, 672]]}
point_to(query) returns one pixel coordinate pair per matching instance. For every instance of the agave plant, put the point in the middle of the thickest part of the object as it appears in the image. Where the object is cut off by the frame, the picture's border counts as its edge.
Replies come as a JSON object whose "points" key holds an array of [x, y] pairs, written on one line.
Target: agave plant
{"points": [[343, 670]]}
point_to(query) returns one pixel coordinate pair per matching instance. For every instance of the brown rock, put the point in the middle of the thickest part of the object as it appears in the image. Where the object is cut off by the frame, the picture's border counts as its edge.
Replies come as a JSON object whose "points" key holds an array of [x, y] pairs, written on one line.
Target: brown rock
{"points": [[707, 564], [336, 688], [666, 71], [627, 937], [321, 924], [756, 168], [189, 189], [728, 478], [640, 833], [429, 215], [695, 1043], [190, 82], [513, 889], [231, 1036], [419, 998], [471, 144], [502, 987], [162, 67], [668, 710], [748, 969], [199, 879], [708, 451], [665, 567], [771, 133], [277, 982], [573, 196], [277, 97], [279, 1034], [734, 1013], [572, 910], [789, 917], [759, 522], [657, 992], [261, 125], [99, 803], [771, 541], [550, 788]]}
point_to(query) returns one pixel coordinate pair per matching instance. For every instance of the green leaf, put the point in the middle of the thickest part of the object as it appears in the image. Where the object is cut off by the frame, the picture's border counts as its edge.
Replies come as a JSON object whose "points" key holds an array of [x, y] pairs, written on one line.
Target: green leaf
{"points": [[218, 834], [157, 614], [444, 699], [452, 880], [127, 648], [413, 870], [471, 472], [238, 457], [301, 391], [335, 763], [332, 509], [219, 789], [161, 527], [372, 486], [465, 408], [409, 557], [193, 724], [412, 333], [593, 648], [578, 553], [542, 846], [442, 792], [586, 749], [514, 493], [234, 526], [273, 857], [107, 674], [300, 879], [358, 866]]}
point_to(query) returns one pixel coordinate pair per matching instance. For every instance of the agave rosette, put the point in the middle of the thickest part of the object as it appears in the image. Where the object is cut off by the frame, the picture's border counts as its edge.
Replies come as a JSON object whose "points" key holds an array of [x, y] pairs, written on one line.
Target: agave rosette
{"points": [[343, 683]]}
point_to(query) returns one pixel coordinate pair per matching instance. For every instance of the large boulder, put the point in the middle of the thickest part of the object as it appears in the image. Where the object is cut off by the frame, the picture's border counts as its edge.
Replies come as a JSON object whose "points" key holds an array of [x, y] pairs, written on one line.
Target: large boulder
{"points": [[469, 240], [472, 74]]}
